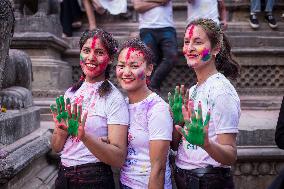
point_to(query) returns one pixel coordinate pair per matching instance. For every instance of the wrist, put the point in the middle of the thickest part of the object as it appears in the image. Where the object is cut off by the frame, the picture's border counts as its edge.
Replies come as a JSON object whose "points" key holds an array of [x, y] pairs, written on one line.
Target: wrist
{"points": [[84, 138], [208, 145], [60, 132]]}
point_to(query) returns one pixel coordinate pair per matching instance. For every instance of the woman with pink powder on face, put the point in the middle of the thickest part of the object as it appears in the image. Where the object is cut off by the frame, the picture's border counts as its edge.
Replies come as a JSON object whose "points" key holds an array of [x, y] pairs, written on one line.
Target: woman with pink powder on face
{"points": [[207, 165], [85, 163], [150, 129]]}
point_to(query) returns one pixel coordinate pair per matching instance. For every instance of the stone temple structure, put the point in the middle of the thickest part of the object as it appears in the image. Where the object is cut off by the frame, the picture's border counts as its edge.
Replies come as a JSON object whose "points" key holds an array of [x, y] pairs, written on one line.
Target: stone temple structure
{"points": [[26, 160], [21, 139]]}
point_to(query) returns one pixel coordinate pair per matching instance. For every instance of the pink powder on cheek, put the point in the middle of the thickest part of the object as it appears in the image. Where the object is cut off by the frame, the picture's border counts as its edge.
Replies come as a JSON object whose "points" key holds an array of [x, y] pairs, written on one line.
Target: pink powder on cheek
{"points": [[82, 59], [141, 75], [205, 55]]}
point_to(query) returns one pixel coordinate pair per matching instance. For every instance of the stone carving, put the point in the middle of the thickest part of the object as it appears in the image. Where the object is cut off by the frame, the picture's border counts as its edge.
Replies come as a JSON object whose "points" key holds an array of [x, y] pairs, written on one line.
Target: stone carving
{"points": [[38, 8], [15, 70]]}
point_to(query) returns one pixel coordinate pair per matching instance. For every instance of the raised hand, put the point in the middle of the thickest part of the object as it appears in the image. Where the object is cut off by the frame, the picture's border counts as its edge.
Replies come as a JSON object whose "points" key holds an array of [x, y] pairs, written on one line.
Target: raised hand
{"points": [[59, 113], [61, 110], [176, 102], [195, 129]]}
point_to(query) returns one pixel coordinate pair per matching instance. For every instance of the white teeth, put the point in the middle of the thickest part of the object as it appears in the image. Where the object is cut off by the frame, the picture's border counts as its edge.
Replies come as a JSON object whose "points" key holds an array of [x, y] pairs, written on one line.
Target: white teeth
{"points": [[91, 65]]}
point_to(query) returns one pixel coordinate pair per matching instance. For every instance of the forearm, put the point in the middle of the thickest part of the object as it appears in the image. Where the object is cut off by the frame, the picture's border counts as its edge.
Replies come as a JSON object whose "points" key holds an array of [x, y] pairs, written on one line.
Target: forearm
{"points": [[142, 6], [58, 140], [107, 153], [224, 154], [157, 176], [222, 10]]}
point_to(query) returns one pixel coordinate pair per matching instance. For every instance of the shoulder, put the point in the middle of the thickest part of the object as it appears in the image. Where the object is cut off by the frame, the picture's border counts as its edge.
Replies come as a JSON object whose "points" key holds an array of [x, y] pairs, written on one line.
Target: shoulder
{"points": [[115, 94], [157, 105], [221, 86], [69, 93]]}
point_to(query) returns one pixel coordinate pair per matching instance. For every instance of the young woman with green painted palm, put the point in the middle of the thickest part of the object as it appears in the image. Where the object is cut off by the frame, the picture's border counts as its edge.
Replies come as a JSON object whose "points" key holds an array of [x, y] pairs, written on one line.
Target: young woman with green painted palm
{"points": [[208, 145], [86, 161]]}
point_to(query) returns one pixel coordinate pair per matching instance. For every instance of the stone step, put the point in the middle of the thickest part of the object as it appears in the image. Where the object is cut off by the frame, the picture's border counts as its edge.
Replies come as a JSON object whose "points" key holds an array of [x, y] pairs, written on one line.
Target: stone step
{"points": [[240, 34]]}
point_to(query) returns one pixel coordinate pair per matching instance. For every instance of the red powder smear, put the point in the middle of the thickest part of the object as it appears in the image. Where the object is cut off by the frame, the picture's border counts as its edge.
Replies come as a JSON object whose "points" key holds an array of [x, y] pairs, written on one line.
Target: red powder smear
{"points": [[130, 50], [190, 32], [94, 42]]}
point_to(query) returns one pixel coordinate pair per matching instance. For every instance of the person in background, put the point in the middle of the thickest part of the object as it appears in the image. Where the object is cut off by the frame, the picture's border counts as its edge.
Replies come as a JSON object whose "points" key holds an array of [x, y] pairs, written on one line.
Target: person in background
{"points": [[114, 7], [255, 7], [158, 32], [278, 182], [212, 9], [70, 16]]}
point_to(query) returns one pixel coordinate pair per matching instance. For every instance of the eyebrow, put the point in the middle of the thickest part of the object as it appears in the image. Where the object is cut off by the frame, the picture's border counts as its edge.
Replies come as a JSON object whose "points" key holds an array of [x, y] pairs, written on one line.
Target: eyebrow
{"points": [[187, 38]]}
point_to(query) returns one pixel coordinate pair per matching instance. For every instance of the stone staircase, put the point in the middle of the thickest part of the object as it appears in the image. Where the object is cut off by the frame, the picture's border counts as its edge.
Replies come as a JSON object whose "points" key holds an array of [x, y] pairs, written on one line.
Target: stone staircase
{"points": [[260, 86]]}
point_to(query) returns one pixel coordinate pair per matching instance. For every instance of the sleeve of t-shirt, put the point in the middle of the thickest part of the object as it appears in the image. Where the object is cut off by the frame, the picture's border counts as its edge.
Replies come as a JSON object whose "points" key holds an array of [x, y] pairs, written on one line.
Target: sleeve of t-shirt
{"points": [[117, 110], [226, 114], [68, 94], [160, 123]]}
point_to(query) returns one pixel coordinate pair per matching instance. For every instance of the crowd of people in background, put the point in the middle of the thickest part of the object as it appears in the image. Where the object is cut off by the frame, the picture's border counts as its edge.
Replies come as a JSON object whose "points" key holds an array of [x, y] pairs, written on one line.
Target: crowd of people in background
{"points": [[72, 10]]}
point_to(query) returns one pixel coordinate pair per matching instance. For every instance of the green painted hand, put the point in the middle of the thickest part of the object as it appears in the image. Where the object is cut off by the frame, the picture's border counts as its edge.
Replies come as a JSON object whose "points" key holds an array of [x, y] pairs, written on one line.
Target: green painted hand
{"points": [[175, 102], [74, 121], [194, 131], [61, 111]]}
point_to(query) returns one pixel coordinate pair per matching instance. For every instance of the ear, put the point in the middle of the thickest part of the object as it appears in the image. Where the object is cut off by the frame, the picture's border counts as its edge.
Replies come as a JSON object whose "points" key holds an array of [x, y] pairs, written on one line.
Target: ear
{"points": [[111, 60], [216, 50], [149, 69]]}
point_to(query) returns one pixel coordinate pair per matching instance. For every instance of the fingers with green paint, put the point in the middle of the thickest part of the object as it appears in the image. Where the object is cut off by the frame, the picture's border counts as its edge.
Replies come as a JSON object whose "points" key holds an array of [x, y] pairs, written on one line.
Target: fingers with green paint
{"points": [[175, 102], [194, 131], [73, 122]]}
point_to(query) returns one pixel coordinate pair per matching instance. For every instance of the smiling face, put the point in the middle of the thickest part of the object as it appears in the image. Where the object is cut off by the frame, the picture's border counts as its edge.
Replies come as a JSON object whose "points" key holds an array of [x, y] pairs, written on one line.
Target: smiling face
{"points": [[132, 69], [94, 59], [197, 48]]}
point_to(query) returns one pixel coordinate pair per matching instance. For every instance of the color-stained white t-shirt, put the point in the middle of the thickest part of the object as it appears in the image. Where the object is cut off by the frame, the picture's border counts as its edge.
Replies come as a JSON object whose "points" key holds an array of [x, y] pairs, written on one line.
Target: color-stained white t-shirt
{"points": [[203, 9], [218, 95], [158, 17], [150, 120], [102, 111]]}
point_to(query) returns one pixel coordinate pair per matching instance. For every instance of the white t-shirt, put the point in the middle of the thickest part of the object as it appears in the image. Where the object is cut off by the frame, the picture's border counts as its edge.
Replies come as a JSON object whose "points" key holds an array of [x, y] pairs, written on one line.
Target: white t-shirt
{"points": [[150, 120], [102, 111], [218, 94], [203, 9], [158, 17]]}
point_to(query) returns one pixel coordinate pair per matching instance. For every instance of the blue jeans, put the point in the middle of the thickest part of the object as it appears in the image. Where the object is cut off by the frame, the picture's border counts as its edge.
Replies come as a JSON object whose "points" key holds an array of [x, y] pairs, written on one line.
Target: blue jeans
{"points": [[255, 6], [163, 42]]}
